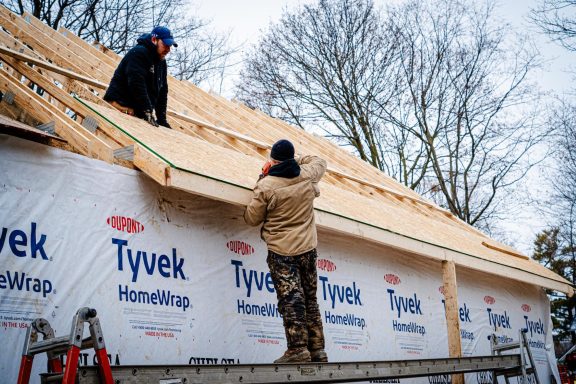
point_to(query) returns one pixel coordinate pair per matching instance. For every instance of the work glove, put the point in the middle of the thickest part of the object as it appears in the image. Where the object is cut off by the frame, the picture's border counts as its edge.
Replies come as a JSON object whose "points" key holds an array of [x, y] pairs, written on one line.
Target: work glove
{"points": [[149, 117], [265, 169]]}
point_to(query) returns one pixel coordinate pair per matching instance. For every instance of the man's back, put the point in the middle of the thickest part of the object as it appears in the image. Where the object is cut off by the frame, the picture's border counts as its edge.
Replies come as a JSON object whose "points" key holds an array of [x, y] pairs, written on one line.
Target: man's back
{"points": [[285, 205], [283, 201]]}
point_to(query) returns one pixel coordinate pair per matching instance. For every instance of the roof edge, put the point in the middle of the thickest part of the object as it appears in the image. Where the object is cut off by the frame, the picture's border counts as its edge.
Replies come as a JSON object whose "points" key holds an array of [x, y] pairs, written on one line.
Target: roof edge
{"points": [[221, 190]]}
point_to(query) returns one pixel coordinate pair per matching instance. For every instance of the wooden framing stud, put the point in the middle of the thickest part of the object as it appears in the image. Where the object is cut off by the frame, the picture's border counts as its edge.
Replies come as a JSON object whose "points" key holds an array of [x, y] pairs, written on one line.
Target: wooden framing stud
{"points": [[452, 314]]}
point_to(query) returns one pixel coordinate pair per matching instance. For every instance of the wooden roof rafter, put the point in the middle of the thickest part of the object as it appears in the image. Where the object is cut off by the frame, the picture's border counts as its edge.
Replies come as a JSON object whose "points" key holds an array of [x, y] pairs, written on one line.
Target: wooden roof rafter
{"points": [[225, 131], [53, 68]]}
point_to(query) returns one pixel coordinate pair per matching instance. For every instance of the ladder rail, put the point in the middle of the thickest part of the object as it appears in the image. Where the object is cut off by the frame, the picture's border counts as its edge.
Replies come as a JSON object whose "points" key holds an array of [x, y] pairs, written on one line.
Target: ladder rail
{"points": [[523, 358], [58, 345], [527, 365], [506, 347], [297, 373], [530, 357]]}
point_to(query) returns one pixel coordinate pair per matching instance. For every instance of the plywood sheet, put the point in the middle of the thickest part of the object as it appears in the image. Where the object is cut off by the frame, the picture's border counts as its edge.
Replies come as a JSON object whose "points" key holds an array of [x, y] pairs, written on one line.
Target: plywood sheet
{"points": [[200, 165]]}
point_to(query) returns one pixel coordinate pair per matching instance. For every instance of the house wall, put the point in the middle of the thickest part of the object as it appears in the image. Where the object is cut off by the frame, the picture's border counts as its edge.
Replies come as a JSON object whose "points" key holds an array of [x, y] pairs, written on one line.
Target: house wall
{"points": [[180, 279]]}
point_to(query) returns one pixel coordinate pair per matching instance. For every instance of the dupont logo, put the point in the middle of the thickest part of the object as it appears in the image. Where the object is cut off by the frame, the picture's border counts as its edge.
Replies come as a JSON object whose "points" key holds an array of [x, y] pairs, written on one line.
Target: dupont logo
{"points": [[442, 290], [526, 308], [392, 279], [489, 300], [239, 247], [325, 265], [125, 224]]}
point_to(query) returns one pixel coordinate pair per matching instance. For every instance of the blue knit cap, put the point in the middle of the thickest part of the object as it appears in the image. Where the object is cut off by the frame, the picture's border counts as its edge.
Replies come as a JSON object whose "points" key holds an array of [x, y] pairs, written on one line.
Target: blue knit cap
{"points": [[282, 150]]}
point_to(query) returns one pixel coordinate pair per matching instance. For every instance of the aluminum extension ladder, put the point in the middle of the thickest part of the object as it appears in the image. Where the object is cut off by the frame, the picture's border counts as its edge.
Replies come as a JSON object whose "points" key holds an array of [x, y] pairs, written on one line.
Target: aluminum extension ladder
{"points": [[71, 345], [525, 356]]}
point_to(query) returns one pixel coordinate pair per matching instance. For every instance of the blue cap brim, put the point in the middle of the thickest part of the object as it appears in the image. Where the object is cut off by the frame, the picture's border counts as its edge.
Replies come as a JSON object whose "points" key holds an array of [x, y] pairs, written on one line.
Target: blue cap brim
{"points": [[170, 42]]}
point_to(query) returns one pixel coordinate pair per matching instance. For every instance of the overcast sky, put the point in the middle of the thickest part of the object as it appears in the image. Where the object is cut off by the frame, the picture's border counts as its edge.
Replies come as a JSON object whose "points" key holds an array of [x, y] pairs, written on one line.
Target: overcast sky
{"points": [[246, 19]]}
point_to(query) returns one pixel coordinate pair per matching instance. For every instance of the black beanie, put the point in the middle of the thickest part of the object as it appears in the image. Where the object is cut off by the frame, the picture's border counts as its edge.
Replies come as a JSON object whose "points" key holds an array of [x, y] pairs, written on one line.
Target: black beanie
{"points": [[282, 150]]}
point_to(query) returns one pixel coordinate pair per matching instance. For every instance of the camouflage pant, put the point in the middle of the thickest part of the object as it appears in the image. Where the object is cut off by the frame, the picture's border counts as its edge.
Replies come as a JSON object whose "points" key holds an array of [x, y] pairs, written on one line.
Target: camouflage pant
{"points": [[295, 280]]}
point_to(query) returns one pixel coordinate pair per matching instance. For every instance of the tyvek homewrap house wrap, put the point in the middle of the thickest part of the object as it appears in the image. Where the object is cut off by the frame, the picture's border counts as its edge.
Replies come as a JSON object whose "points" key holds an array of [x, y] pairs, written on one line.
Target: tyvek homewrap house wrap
{"points": [[180, 279], [156, 243]]}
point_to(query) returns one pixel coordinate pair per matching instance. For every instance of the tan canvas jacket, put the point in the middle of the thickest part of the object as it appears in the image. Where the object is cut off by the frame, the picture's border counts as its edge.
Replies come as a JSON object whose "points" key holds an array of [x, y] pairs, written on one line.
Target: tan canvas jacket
{"points": [[285, 207]]}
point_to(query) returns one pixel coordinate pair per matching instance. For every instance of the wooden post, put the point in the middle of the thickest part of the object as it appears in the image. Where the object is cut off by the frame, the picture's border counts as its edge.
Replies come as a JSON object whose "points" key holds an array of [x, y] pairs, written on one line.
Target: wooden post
{"points": [[452, 314]]}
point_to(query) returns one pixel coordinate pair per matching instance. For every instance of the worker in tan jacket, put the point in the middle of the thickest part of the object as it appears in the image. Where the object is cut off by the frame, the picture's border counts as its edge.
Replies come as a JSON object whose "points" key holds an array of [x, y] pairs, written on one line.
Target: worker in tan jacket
{"points": [[283, 203]]}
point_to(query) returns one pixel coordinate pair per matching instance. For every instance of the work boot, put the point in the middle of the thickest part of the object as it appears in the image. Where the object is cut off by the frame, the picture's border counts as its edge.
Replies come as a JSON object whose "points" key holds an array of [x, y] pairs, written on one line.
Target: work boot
{"points": [[319, 356], [295, 355]]}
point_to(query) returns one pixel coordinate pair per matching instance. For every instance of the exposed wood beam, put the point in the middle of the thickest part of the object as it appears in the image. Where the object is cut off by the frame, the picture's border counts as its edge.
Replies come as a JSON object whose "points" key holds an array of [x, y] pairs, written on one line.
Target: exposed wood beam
{"points": [[51, 67], [451, 308], [222, 130]]}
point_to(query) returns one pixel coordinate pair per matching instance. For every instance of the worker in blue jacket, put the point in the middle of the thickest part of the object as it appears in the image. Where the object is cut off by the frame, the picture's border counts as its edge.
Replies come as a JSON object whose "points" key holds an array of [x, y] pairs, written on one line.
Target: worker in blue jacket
{"points": [[139, 86]]}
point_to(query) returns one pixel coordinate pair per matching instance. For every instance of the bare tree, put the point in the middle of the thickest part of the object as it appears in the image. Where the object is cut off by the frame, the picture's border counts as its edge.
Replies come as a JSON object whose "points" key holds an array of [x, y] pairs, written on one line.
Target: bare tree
{"points": [[564, 187], [433, 92], [117, 24], [203, 55], [326, 66], [464, 86], [555, 247], [557, 19]]}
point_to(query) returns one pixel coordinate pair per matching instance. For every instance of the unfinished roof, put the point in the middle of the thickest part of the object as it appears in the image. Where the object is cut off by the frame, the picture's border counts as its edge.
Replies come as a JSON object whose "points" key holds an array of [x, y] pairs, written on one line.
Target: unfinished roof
{"points": [[217, 146]]}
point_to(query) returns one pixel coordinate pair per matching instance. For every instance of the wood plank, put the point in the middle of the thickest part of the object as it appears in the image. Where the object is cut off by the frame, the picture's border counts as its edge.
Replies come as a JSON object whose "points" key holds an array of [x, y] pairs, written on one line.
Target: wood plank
{"points": [[151, 164], [91, 50], [502, 248], [69, 101], [53, 68], [206, 186], [452, 309], [16, 45], [14, 111], [384, 189], [81, 139], [15, 128], [80, 56], [82, 91], [224, 131], [59, 55]]}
